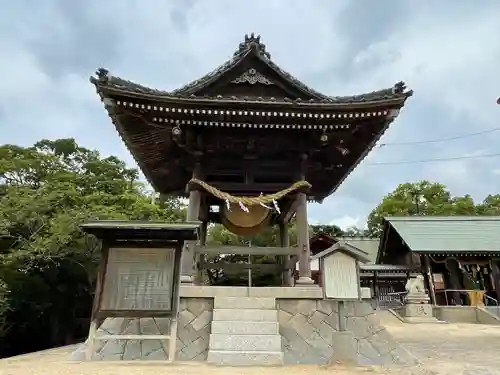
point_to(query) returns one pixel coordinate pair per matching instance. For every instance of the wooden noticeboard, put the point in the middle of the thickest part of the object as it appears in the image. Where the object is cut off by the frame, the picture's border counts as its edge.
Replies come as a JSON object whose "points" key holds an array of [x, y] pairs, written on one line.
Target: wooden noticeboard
{"points": [[138, 276], [139, 279]]}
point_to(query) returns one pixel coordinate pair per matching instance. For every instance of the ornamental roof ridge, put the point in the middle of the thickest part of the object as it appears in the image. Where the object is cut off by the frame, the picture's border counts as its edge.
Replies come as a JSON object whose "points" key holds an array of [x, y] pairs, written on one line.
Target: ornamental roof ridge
{"points": [[103, 78], [252, 42], [251, 45]]}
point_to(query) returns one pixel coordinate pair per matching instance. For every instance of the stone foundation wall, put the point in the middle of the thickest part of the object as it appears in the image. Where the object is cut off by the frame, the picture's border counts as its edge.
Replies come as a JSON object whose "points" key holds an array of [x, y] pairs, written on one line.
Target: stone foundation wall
{"points": [[195, 317], [310, 334], [310, 328]]}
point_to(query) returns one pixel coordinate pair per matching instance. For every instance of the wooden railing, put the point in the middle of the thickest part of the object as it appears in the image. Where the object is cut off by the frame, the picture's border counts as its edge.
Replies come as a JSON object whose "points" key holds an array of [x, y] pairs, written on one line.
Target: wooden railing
{"points": [[285, 265], [244, 250]]}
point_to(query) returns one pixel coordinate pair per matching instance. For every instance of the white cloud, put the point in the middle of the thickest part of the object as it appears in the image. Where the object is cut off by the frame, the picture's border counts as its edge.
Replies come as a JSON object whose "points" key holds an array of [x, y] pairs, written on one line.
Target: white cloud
{"points": [[446, 51], [346, 222]]}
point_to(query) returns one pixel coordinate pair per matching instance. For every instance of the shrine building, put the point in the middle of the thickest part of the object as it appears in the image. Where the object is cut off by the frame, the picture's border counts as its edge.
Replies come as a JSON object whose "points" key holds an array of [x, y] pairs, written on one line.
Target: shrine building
{"points": [[249, 144]]}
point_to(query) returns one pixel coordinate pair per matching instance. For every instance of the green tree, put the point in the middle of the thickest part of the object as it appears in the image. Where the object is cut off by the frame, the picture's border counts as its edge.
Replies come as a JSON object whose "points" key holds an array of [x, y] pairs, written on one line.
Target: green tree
{"points": [[332, 230], [424, 198], [268, 237], [47, 265], [490, 205]]}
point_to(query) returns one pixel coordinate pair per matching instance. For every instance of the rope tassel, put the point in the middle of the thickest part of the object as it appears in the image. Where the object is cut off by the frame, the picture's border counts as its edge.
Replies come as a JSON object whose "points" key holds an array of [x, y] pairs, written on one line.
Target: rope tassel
{"points": [[263, 204], [276, 207], [243, 207]]}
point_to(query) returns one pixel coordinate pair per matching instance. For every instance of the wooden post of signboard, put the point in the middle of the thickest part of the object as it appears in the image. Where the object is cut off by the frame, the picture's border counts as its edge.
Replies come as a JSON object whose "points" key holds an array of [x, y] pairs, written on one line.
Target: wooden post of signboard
{"points": [[94, 323]]}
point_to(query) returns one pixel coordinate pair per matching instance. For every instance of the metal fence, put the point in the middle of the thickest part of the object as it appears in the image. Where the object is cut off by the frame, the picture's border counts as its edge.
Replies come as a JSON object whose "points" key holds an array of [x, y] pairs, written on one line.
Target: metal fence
{"points": [[451, 296]]}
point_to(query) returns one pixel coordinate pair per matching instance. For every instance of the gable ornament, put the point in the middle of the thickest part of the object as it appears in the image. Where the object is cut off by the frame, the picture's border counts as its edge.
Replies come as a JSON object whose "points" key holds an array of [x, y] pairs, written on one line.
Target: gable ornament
{"points": [[252, 76]]}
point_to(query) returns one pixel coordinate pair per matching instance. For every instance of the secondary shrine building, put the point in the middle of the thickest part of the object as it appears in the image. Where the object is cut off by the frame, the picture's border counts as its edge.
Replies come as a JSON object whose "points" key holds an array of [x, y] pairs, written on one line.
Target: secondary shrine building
{"points": [[250, 145]]}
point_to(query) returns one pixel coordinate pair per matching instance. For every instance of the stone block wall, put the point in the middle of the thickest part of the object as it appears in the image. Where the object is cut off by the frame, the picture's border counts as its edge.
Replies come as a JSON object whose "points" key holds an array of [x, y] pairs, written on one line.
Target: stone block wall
{"points": [[195, 317], [310, 334]]}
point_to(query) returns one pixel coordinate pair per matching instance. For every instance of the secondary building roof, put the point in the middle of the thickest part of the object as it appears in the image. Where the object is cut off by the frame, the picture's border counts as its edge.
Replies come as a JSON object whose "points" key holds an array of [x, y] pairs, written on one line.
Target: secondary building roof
{"points": [[130, 230], [346, 248], [321, 241], [446, 234]]}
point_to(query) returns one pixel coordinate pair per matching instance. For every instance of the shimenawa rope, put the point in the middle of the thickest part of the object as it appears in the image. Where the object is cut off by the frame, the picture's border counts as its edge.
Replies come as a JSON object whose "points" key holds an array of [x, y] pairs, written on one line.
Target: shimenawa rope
{"points": [[251, 201]]}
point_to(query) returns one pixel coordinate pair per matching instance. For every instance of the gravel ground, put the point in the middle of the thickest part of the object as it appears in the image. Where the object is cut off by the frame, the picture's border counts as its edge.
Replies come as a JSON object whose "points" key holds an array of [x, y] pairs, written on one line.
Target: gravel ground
{"points": [[445, 349]]}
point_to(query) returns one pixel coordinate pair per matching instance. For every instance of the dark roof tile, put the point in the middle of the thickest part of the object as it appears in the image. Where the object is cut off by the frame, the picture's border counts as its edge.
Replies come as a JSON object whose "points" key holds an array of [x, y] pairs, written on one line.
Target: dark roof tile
{"points": [[250, 46]]}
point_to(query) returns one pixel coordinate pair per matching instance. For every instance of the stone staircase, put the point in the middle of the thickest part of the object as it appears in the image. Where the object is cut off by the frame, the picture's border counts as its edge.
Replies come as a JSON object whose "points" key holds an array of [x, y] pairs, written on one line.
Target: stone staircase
{"points": [[245, 331]]}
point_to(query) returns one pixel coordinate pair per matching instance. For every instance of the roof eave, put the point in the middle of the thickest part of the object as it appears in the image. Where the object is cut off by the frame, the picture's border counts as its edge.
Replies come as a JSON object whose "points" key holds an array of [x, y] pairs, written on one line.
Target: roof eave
{"points": [[397, 101], [346, 248], [367, 150], [119, 129]]}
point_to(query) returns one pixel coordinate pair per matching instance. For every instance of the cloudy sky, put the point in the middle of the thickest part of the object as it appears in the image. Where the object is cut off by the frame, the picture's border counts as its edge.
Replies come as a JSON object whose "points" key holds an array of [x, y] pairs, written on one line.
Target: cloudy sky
{"points": [[448, 52]]}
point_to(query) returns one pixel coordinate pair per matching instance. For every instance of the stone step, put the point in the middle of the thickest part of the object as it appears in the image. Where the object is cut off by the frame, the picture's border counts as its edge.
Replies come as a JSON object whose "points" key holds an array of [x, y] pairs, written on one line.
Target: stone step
{"points": [[251, 343], [242, 358], [245, 328], [244, 303], [245, 315]]}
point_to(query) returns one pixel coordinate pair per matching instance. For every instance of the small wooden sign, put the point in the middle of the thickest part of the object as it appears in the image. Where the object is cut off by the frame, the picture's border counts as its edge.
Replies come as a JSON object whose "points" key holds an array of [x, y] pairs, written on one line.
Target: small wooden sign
{"points": [[339, 267], [139, 279]]}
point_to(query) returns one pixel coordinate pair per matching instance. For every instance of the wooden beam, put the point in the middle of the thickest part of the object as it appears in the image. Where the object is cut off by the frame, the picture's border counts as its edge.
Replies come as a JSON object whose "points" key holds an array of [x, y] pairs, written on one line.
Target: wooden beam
{"points": [[240, 267], [244, 250], [132, 337], [426, 263]]}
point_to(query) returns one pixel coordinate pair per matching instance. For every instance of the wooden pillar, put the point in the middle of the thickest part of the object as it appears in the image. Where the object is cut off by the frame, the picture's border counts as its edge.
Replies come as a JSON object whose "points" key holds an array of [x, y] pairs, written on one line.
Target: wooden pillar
{"points": [[188, 255], [452, 266], [426, 262], [303, 242], [495, 273], [96, 304], [285, 242], [200, 258]]}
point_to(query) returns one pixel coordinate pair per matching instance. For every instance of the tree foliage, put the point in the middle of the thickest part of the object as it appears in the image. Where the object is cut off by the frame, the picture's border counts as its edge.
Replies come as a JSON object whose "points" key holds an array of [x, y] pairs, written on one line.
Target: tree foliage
{"points": [[47, 265], [428, 198], [269, 237]]}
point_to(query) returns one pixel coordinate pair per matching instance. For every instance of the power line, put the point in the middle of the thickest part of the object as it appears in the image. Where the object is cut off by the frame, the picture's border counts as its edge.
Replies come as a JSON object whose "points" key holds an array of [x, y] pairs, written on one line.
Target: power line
{"points": [[435, 160], [438, 140]]}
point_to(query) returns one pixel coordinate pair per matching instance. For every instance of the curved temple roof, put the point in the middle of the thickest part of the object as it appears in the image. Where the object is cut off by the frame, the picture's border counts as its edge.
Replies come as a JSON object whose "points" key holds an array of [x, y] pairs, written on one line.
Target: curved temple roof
{"points": [[251, 46], [252, 95]]}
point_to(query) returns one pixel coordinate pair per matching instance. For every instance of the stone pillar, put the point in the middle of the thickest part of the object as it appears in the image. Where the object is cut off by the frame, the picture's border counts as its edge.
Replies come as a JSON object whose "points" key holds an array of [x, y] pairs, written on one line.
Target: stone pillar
{"points": [[285, 242], [303, 242], [188, 262]]}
